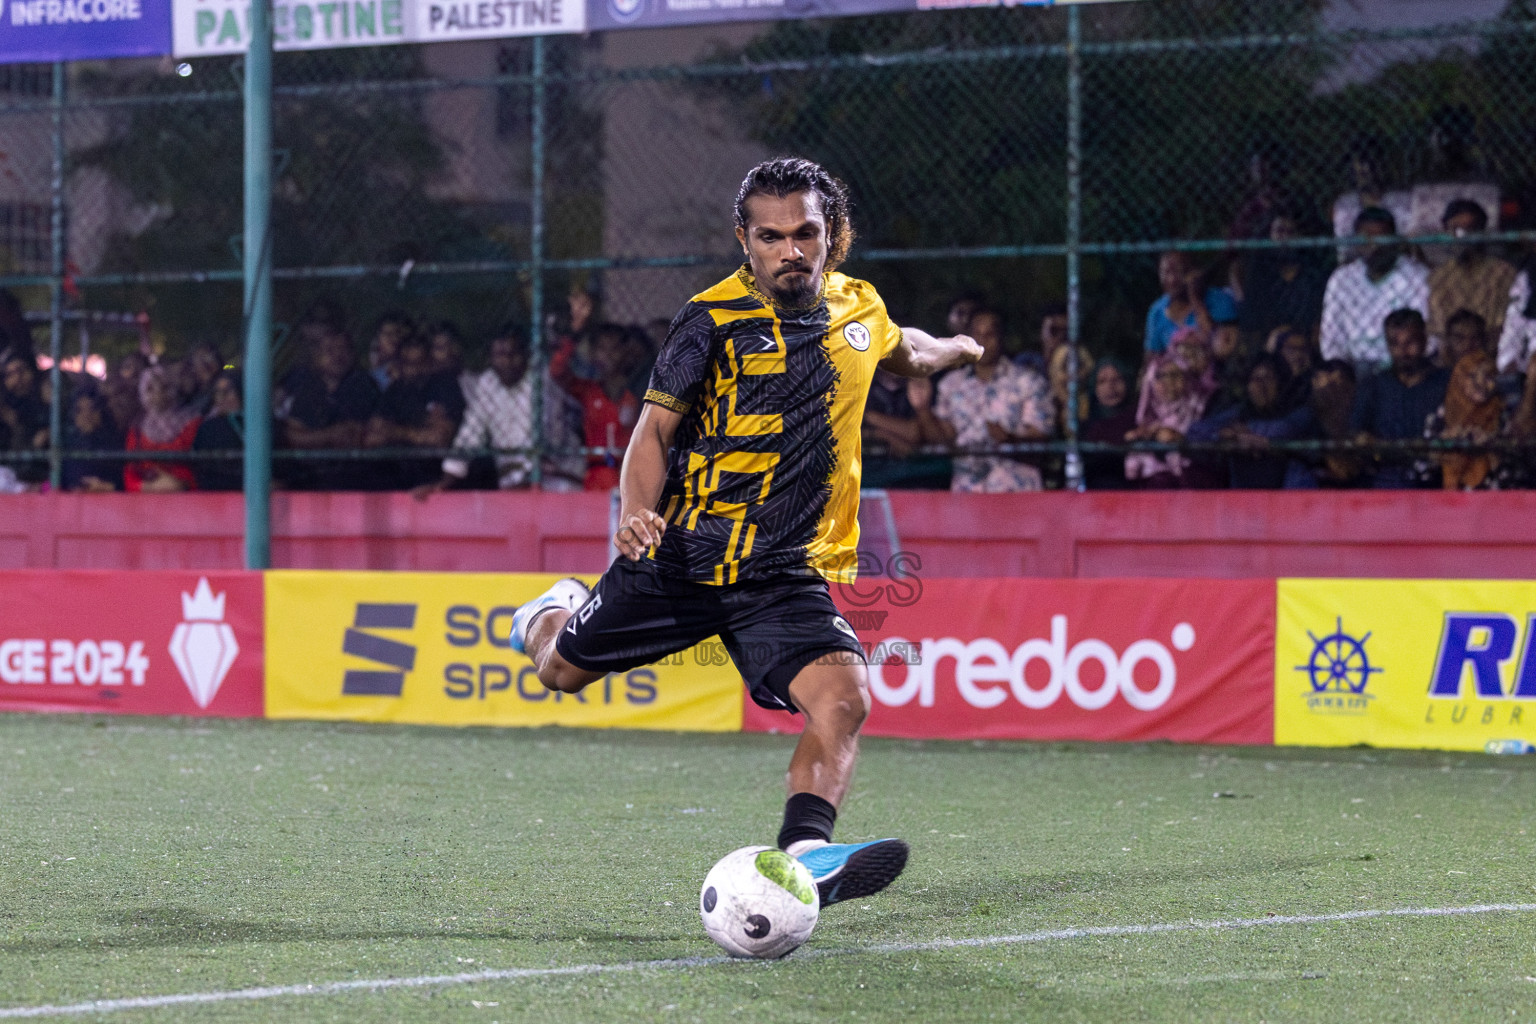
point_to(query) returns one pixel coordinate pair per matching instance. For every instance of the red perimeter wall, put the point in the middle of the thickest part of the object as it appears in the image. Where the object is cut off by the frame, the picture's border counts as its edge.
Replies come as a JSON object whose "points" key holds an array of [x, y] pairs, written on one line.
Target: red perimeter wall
{"points": [[1211, 533]]}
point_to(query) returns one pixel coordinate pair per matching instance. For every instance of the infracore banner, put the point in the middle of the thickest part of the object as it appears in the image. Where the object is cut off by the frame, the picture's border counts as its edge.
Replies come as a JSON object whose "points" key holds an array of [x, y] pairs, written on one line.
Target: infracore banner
{"points": [[50, 30]]}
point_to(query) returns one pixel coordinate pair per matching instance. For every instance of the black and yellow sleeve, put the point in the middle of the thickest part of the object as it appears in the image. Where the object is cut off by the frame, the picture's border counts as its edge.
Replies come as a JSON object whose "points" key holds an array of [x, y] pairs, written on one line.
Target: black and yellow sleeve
{"points": [[683, 364]]}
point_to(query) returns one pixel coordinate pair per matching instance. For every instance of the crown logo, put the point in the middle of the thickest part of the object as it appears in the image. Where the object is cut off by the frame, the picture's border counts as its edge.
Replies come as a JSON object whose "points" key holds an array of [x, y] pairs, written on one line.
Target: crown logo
{"points": [[201, 605], [203, 645]]}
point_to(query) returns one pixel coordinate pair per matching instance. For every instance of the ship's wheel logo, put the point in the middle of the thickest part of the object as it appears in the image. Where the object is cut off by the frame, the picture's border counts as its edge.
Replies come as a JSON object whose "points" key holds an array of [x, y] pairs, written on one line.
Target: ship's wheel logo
{"points": [[1339, 670]]}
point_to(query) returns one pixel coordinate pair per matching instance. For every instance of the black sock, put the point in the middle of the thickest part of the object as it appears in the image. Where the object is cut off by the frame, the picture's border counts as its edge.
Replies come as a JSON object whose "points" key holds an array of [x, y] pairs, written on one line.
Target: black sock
{"points": [[806, 816]]}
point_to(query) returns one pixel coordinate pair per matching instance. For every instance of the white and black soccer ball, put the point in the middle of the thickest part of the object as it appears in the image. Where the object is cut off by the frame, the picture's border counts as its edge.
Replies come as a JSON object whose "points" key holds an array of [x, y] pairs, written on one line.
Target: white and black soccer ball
{"points": [[759, 902]]}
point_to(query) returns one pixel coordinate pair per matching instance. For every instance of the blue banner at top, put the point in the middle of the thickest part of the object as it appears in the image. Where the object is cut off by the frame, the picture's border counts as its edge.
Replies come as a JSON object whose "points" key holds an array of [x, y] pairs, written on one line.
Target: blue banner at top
{"points": [[49, 30]]}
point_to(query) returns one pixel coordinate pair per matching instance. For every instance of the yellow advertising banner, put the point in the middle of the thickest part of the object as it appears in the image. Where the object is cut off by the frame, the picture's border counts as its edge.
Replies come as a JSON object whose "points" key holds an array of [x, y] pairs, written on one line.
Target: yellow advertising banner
{"points": [[1444, 664], [432, 649]]}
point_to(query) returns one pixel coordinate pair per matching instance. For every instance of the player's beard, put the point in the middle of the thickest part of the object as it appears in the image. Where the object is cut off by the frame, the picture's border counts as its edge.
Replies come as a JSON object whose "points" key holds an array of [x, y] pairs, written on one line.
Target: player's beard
{"points": [[801, 290]]}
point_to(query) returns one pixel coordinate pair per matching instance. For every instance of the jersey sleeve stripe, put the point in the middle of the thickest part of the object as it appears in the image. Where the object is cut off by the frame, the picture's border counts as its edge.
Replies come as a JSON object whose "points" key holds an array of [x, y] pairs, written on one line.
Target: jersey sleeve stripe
{"points": [[666, 401]]}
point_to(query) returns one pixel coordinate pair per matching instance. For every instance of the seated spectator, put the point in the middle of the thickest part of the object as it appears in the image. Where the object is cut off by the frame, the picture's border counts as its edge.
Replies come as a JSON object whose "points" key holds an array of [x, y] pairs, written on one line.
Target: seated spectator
{"points": [[1259, 419], [892, 432], [383, 347], [1473, 280], [1229, 366], [326, 402], [961, 308], [24, 411], [164, 426], [1472, 412], [447, 343], [1300, 358], [499, 414], [1282, 286], [1465, 333], [121, 390], [1394, 404], [419, 409], [1191, 349], [1226, 345], [991, 402], [1331, 398], [1167, 408], [1060, 378], [90, 429], [1185, 302], [889, 420], [578, 329], [1112, 416], [1522, 424], [15, 332], [1053, 334], [1363, 291], [609, 409], [221, 431], [198, 371], [1517, 341]]}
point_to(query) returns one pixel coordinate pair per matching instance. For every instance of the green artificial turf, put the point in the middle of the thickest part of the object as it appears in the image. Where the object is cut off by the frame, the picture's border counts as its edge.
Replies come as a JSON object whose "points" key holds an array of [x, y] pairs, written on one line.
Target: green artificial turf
{"points": [[153, 857]]}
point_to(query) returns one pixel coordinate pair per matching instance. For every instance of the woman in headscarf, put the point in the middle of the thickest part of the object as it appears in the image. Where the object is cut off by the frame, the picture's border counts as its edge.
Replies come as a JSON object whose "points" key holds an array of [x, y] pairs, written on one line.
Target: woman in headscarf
{"points": [[1113, 415], [223, 430], [1191, 348], [1298, 359], [24, 410], [1056, 370], [1167, 408], [1260, 418], [91, 429], [164, 426], [1474, 412]]}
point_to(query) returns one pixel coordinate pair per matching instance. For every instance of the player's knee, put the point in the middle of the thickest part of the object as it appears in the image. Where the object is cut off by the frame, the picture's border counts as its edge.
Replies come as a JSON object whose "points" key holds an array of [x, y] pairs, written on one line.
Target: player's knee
{"points": [[840, 703], [558, 674], [564, 677]]}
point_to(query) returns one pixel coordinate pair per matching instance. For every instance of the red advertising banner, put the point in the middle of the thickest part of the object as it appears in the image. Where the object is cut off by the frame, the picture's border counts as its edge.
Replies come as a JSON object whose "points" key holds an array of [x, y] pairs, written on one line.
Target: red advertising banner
{"points": [[1190, 661], [150, 643]]}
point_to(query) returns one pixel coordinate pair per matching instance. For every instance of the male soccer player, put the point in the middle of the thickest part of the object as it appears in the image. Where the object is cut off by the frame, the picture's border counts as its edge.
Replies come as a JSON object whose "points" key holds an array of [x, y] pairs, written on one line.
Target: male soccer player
{"points": [[740, 501]]}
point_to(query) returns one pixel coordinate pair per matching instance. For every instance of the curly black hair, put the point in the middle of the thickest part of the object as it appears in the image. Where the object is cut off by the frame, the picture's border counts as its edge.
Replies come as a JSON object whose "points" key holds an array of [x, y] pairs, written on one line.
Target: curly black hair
{"points": [[784, 176]]}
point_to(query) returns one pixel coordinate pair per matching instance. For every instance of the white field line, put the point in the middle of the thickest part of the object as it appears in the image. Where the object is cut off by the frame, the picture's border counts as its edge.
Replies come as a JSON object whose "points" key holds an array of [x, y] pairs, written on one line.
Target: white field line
{"points": [[331, 988]]}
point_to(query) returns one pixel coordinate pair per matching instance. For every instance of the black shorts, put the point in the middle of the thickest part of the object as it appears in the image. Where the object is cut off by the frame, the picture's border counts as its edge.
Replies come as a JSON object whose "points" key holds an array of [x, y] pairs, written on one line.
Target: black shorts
{"points": [[772, 628]]}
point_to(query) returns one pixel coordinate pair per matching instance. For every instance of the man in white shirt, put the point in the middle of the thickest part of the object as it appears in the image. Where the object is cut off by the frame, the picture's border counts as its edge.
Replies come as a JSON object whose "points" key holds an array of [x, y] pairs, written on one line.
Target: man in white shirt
{"points": [[1517, 341], [498, 414], [1363, 291]]}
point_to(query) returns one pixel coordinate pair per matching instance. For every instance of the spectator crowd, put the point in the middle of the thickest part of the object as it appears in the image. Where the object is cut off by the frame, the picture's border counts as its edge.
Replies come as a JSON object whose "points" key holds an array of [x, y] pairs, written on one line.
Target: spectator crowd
{"points": [[1261, 348]]}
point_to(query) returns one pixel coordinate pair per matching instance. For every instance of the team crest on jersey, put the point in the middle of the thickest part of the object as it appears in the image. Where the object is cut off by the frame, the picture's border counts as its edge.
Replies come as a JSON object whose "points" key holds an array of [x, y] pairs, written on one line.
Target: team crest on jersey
{"points": [[857, 336]]}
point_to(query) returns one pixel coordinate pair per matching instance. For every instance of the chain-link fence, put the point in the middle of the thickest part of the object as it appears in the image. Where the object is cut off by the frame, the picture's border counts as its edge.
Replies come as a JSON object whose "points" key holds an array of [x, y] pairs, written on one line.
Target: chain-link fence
{"points": [[1043, 163]]}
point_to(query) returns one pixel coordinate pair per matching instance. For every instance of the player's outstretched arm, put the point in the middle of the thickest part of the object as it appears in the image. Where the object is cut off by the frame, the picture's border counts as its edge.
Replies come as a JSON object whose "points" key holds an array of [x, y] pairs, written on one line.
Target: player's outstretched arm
{"points": [[920, 354], [641, 479]]}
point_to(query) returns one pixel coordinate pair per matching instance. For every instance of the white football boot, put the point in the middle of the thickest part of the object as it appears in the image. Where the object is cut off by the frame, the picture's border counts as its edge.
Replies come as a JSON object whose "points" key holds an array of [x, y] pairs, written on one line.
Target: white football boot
{"points": [[569, 593]]}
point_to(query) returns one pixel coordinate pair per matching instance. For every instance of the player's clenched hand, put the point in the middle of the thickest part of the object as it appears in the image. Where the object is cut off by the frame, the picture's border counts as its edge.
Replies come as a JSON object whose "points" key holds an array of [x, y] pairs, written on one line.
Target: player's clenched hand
{"points": [[638, 532], [967, 348]]}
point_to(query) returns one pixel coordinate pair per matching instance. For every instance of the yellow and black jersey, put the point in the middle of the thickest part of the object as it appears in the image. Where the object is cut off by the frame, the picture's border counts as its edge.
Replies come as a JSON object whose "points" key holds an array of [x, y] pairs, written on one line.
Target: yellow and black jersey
{"points": [[763, 476]]}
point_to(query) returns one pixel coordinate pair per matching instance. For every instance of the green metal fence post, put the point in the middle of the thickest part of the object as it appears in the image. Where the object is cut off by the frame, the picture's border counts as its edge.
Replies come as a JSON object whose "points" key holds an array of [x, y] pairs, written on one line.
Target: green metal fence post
{"points": [[56, 287], [1074, 459], [258, 288], [536, 256]]}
